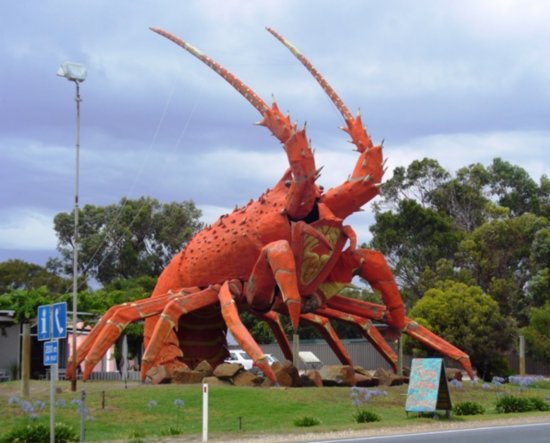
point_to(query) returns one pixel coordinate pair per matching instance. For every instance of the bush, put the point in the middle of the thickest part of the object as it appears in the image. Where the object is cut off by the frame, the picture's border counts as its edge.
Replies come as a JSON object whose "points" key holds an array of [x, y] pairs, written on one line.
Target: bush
{"points": [[538, 404], [364, 416], [136, 437], [40, 433], [468, 408], [510, 403], [172, 430], [306, 421]]}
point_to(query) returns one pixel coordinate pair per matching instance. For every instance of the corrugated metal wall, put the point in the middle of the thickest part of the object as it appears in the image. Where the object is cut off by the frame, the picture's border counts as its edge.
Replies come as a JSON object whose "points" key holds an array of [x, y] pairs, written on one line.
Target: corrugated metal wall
{"points": [[361, 352]]}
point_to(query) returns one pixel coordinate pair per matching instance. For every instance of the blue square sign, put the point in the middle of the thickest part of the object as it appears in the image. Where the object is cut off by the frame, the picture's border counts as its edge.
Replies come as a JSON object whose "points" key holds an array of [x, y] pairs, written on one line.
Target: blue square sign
{"points": [[59, 324], [44, 323], [50, 353]]}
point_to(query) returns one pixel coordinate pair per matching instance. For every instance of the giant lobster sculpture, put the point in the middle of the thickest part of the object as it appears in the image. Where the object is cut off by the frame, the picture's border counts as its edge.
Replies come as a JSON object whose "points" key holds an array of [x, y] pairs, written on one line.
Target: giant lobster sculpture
{"points": [[288, 252]]}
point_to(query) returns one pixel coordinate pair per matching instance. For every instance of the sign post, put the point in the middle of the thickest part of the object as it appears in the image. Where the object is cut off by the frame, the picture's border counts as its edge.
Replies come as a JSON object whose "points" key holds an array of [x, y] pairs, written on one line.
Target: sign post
{"points": [[52, 325], [205, 412], [428, 389]]}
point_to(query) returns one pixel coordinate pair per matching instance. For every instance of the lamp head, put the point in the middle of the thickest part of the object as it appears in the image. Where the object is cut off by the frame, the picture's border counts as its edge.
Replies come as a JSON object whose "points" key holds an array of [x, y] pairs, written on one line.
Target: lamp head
{"points": [[72, 71]]}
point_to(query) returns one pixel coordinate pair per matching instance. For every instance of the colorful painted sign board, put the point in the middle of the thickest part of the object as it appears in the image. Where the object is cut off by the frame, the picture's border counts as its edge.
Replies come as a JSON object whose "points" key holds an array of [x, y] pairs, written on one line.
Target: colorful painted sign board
{"points": [[428, 388]]}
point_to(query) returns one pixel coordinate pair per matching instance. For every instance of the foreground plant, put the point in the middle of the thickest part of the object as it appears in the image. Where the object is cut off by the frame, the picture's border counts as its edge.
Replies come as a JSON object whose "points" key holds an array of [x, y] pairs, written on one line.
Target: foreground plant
{"points": [[39, 433], [306, 422]]}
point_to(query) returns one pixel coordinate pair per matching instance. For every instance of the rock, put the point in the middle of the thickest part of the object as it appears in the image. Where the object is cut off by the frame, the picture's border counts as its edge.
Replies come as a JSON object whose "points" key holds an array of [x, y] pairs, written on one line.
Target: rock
{"points": [[365, 381], [187, 376], [287, 374], [267, 383], [205, 368], [247, 378], [453, 374], [215, 381], [388, 378], [312, 378], [226, 371], [337, 375], [363, 371], [157, 375]]}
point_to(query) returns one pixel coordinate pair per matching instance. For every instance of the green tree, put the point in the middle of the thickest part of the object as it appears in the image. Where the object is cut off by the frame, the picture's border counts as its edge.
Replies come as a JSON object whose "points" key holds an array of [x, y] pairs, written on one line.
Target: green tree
{"points": [[537, 334], [413, 239], [504, 256], [514, 188], [463, 198], [417, 182], [468, 318], [25, 302], [18, 274], [127, 240]]}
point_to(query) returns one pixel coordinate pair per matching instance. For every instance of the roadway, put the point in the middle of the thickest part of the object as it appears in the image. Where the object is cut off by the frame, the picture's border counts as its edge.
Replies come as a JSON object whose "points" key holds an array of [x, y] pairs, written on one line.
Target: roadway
{"points": [[523, 433]]}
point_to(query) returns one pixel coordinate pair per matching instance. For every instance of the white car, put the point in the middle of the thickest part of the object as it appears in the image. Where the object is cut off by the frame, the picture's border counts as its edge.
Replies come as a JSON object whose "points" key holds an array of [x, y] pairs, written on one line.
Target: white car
{"points": [[239, 356]]}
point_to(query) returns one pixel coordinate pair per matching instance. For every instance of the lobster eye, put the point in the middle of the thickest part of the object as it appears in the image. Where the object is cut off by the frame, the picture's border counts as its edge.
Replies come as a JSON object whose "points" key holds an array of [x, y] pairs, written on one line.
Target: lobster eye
{"points": [[288, 183]]}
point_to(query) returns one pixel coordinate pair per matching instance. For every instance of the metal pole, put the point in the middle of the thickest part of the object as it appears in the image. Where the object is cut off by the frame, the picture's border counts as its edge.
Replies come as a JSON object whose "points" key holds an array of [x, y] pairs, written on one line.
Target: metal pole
{"points": [[83, 415], [400, 355], [296, 351], [53, 378], [75, 252], [521, 355]]}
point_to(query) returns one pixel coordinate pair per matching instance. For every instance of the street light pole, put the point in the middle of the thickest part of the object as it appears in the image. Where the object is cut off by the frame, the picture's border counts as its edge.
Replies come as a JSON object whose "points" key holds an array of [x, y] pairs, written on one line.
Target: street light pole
{"points": [[76, 73], [75, 252]]}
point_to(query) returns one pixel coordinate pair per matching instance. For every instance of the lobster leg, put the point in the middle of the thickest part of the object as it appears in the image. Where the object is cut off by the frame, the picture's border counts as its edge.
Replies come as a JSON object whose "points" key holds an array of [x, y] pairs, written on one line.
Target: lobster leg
{"points": [[241, 334], [276, 265], [302, 193], [274, 322], [369, 332], [109, 327], [375, 270], [323, 325], [169, 320], [434, 341]]}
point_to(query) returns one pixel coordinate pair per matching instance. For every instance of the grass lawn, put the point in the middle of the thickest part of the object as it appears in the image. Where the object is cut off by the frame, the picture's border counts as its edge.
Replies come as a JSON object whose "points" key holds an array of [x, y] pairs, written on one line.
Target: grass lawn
{"points": [[117, 411]]}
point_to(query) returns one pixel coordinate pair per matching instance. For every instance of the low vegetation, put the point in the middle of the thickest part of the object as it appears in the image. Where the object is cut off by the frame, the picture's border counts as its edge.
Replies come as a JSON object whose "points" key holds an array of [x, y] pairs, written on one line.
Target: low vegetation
{"points": [[114, 410]]}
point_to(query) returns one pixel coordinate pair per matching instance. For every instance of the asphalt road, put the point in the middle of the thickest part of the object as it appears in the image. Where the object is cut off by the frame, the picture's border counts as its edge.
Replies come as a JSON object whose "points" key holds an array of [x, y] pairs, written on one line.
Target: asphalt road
{"points": [[526, 433]]}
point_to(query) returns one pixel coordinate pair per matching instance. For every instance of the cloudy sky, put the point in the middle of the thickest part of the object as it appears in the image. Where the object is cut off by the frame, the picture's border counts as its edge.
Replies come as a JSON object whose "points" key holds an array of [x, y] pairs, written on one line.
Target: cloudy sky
{"points": [[461, 82]]}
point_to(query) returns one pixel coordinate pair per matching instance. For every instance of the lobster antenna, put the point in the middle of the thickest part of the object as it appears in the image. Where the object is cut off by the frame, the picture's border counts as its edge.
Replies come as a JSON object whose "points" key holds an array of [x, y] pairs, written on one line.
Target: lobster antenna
{"points": [[244, 90], [320, 79]]}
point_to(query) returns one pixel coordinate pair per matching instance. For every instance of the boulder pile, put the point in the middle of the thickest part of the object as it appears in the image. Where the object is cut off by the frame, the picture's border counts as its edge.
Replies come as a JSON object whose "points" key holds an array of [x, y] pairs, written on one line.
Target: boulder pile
{"points": [[233, 374]]}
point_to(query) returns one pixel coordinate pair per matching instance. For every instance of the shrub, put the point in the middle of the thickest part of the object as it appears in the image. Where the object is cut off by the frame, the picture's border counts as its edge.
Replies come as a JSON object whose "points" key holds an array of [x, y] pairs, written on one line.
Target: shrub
{"points": [[172, 430], [40, 433], [306, 421], [136, 437], [364, 416], [538, 404], [510, 403], [468, 408]]}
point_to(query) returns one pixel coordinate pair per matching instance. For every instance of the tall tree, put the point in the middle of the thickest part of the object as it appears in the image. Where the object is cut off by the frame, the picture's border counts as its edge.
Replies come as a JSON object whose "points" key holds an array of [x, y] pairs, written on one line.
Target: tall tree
{"points": [[127, 240], [412, 239], [537, 334], [514, 188], [18, 274], [504, 256], [470, 319]]}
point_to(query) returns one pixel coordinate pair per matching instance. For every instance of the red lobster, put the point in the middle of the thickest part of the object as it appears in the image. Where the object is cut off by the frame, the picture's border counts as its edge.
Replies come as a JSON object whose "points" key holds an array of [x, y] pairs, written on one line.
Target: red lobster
{"points": [[288, 252]]}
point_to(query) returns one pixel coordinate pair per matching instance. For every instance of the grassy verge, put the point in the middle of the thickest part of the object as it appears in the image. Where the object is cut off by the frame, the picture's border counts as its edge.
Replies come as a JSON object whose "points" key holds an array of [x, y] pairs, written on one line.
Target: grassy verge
{"points": [[116, 411]]}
